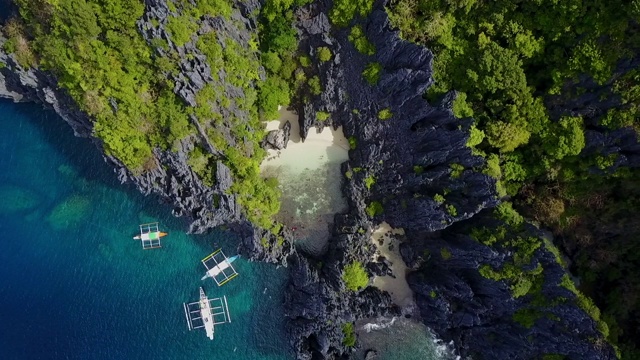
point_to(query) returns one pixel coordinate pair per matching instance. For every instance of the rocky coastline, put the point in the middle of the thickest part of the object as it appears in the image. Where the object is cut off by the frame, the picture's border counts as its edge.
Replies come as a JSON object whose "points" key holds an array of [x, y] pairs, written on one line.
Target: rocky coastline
{"points": [[469, 310]]}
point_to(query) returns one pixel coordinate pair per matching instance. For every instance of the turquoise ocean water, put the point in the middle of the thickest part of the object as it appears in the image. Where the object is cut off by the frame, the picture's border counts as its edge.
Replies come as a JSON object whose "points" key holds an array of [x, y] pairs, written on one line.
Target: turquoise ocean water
{"points": [[73, 283]]}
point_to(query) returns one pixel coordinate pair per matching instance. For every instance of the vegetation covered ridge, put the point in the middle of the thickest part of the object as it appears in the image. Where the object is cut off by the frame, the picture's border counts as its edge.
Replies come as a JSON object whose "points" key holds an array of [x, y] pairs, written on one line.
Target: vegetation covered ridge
{"points": [[135, 89], [515, 66]]}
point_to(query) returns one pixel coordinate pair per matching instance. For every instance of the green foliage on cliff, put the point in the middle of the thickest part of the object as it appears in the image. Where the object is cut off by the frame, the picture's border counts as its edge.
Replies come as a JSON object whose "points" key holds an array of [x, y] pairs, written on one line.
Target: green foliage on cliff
{"points": [[369, 181], [371, 73], [272, 92], [509, 56], [181, 29], [505, 212], [349, 335], [353, 142], [322, 115], [456, 170], [100, 58], [315, 86], [359, 39], [343, 11], [354, 276], [520, 52], [200, 163], [519, 272], [476, 136], [324, 54], [385, 114], [278, 43], [18, 44], [461, 108], [451, 210], [374, 208], [586, 304]]}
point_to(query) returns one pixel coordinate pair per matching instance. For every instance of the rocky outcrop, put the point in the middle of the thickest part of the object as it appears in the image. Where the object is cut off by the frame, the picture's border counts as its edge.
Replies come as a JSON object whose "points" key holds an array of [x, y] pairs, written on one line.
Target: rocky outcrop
{"points": [[409, 154], [481, 315], [277, 139]]}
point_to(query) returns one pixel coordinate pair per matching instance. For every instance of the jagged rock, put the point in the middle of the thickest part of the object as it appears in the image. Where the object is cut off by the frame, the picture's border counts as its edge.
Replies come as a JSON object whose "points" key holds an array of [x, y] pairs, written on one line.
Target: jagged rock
{"points": [[223, 176], [318, 25], [478, 313], [277, 139], [370, 355]]}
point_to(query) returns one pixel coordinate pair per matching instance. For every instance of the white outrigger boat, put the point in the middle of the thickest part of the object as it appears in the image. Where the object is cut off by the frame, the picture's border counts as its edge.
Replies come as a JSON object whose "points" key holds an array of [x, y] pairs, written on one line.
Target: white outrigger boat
{"points": [[219, 267], [150, 236], [207, 313]]}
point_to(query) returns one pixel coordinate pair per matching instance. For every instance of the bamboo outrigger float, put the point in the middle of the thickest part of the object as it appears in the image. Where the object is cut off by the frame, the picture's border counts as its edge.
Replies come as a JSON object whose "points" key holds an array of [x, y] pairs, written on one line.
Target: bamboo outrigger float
{"points": [[150, 236], [219, 267], [207, 313]]}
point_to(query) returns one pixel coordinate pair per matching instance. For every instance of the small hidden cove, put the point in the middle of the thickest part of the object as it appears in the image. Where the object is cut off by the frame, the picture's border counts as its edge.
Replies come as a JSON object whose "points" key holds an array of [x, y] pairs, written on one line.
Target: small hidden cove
{"points": [[309, 177]]}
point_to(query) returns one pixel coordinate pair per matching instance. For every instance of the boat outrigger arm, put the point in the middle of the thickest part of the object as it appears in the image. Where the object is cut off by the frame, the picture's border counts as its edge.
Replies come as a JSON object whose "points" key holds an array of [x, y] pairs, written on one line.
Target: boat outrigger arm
{"points": [[206, 313], [219, 267]]}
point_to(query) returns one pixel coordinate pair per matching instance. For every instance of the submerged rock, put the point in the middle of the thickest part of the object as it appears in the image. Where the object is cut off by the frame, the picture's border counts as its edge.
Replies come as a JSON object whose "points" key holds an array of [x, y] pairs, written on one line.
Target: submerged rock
{"points": [[70, 213], [16, 199]]}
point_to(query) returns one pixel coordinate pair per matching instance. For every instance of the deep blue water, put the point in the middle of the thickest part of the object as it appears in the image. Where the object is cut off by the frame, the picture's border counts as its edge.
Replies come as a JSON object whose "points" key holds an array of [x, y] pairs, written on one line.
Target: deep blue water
{"points": [[74, 285]]}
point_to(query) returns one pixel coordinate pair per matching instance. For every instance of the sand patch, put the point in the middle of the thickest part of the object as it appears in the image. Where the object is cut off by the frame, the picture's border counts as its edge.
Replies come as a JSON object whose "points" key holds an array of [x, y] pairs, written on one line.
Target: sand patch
{"points": [[397, 287]]}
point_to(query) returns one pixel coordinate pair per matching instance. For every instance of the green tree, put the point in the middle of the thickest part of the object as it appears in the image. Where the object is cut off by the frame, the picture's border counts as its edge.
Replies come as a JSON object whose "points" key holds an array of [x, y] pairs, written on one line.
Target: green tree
{"points": [[506, 137], [324, 54], [359, 40], [273, 92], [354, 276], [566, 139], [343, 11], [371, 73], [349, 335], [271, 61]]}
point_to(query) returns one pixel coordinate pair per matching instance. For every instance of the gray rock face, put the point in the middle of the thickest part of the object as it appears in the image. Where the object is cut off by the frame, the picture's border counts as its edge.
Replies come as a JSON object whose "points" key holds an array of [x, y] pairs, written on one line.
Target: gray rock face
{"points": [[478, 313], [417, 134], [371, 355], [21, 84], [277, 139]]}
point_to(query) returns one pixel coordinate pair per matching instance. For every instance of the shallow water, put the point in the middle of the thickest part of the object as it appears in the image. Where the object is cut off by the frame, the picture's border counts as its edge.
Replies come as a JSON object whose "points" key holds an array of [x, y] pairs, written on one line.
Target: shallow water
{"points": [[74, 283], [309, 177]]}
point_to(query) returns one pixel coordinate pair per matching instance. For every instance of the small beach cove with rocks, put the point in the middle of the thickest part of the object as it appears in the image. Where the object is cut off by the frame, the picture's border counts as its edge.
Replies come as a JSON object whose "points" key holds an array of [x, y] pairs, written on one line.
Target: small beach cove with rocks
{"points": [[308, 173], [310, 178]]}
